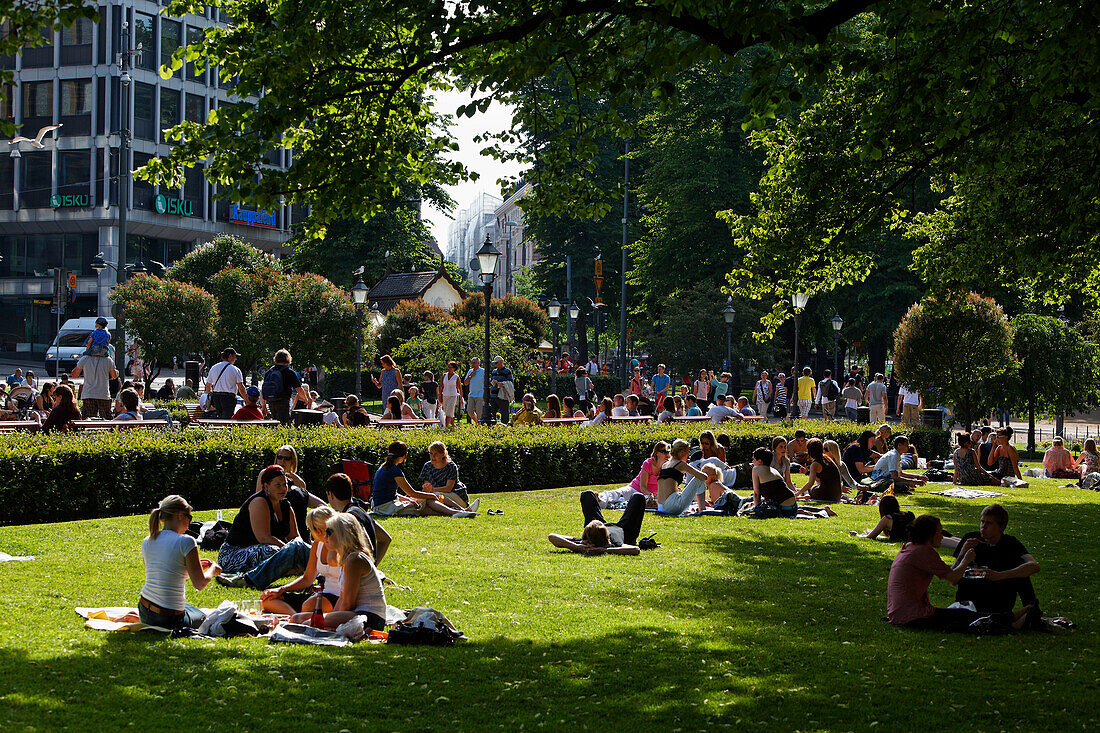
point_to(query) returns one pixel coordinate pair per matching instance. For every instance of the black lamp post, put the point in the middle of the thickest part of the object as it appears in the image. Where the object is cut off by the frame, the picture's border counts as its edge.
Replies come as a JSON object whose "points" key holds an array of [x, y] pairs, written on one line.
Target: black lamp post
{"points": [[574, 314], [838, 323], [798, 300], [359, 297], [729, 314], [553, 309], [597, 318], [487, 258]]}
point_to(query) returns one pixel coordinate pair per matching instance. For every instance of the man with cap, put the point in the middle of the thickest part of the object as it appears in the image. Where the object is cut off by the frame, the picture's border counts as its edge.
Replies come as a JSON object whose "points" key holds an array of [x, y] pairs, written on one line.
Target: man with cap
{"points": [[502, 389], [251, 409], [95, 395], [224, 383]]}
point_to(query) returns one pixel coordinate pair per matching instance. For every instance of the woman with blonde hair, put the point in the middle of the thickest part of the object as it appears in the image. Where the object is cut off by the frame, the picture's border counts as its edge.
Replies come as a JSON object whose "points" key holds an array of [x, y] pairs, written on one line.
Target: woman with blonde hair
{"points": [[832, 448], [170, 557], [670, 498], [361, 592], [294, 597], [439, 475]]}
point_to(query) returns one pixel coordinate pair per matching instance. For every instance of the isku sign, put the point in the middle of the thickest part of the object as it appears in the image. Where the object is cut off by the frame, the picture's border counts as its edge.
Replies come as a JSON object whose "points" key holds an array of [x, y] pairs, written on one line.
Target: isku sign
{"points": [[179, 207], [58, 201]]}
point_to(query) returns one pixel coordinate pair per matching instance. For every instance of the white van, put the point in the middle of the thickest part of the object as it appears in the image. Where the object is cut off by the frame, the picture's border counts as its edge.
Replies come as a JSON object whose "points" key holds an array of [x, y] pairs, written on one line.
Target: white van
{"points": [[69, 344]]}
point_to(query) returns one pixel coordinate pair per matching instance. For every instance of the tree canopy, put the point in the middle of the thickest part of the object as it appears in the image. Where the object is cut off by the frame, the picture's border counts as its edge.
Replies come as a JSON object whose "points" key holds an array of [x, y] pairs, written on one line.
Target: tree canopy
{"points": [[168, 317]]}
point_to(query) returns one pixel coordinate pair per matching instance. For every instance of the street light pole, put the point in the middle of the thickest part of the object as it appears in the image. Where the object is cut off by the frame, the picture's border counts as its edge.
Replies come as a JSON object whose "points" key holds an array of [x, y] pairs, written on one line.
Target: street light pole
{"points": [[838, 323], [487, 258], [798, 300], [359, 296], [123, 180], [622, 295], [728, 315], [553, 309]]}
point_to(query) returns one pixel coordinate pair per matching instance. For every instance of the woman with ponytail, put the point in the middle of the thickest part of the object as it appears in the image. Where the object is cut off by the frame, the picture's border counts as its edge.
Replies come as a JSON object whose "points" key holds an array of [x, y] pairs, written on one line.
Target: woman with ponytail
{"points": [[170, 557]]}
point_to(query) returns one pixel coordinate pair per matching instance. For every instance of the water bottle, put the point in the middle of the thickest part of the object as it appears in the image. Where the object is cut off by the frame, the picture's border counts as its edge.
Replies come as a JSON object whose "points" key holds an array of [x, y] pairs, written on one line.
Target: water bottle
{"points": [[317, 620], [219, 515]]}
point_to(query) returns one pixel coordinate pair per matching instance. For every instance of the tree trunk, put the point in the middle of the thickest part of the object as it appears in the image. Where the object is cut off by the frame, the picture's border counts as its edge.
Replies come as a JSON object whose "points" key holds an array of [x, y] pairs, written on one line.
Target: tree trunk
{"points": [[876, 358], [1031, 426]]}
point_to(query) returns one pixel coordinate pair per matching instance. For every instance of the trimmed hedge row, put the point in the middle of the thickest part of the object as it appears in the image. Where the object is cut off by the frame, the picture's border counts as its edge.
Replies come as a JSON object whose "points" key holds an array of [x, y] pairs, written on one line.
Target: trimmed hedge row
{"points": [[80, 476]]}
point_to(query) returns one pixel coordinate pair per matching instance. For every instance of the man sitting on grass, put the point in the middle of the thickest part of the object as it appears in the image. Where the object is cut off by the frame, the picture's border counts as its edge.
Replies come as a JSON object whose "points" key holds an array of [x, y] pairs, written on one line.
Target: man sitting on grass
{"points": [[889, 467], [1005, 565], [600, 537]]}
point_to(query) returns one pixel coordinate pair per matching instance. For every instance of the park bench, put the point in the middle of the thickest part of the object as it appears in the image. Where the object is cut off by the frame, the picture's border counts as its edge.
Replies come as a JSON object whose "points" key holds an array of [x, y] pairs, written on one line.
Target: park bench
{"points": [[405, 423], [98, 426], [690, 418], [563, 421], [223, 424], [632, 418], [194, 412], [10, 426]]}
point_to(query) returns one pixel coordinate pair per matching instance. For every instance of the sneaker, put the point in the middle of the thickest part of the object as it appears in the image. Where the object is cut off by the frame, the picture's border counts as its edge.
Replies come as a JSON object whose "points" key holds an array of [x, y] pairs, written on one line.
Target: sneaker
{"points": [[463, 515], [474, 505], [233, 580]]}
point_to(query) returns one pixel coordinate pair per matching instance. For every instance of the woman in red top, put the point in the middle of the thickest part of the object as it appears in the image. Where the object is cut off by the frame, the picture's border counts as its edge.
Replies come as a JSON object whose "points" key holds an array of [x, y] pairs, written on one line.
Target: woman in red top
{"points": [[907, 602]]}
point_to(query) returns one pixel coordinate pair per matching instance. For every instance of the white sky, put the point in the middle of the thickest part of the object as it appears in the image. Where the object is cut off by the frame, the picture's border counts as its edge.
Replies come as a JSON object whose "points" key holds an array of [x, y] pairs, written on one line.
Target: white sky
{"points": [[495, 119]]}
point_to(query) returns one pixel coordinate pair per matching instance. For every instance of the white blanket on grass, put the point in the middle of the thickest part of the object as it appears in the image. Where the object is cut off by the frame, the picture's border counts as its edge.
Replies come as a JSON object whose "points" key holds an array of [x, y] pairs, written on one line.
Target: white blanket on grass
{"points": [[961, 493]]}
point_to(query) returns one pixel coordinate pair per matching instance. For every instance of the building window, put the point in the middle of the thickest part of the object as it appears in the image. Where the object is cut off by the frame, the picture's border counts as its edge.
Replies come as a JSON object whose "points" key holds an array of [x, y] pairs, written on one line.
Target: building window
{"points": [[74, 172], [169, 112], [7, 184], [37, 57], [143, 112], [171, 34], [7, 103], [146, 39], [76, 106], [194, 35], [194, 188], [37, 106], [34, 189], [143, 190], [196, 108], [76, 43]]}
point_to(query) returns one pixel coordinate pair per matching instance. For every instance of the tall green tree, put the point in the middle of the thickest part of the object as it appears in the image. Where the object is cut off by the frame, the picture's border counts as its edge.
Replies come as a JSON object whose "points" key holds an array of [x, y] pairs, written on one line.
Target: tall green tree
{"points": [[237, 291], [950, 350], [167, 317], [223, 252], [312, 318]]}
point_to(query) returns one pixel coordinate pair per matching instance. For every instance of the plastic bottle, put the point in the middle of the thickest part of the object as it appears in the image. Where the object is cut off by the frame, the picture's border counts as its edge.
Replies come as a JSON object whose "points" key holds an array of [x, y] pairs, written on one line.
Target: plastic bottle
{"points": [[317, 620], [219, 515]]}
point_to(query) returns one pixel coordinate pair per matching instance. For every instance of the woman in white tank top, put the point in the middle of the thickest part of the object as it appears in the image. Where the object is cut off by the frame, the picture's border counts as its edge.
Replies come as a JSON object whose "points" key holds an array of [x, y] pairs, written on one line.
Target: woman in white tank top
{"points": [[295, 596]]}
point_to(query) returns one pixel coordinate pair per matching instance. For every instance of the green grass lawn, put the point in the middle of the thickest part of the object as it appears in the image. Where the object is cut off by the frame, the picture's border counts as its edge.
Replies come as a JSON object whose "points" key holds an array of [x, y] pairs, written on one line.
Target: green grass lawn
{"points": [[733, 623]]}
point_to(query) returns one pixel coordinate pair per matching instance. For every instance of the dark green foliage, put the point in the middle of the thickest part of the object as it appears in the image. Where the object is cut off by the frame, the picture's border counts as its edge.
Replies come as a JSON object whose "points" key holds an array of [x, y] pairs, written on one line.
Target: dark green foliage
{"points": [[530, 314], [53, 478], [406, 321], [223, 252]]}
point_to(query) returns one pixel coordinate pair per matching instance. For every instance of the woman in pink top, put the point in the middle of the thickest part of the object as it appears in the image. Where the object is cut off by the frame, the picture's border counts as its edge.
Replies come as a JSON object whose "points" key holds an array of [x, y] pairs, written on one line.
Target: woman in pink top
{"points": [[911, 573], [1058, 462], [645, 483]]}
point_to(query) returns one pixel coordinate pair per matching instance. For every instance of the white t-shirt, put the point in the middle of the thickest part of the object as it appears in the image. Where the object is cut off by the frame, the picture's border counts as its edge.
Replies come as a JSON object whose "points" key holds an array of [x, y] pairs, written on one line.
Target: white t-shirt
{"points": [[226, 376], [620, 411], [166, 568], [910, 398], [450, 385], [718, 413]]}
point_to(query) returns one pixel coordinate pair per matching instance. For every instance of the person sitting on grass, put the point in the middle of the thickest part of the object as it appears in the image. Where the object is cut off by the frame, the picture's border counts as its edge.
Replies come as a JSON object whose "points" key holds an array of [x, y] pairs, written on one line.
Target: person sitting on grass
{"points": [[668, 410], [888, 467], [768, 487], [1004, 457], [440, 477], [1005, 565], [857, 456], [361, 592], [797, 452], [780, 462], [907, 602], [847, 481], [645, 483], [880, 445], [893, 524], [171, 557], [603, 417], [1088, 462], [294, 597], [601, 537], [823, 482], [528, 413], [392, 496], [670, 498], [251, 409], [1058, 462], [968, 472]]}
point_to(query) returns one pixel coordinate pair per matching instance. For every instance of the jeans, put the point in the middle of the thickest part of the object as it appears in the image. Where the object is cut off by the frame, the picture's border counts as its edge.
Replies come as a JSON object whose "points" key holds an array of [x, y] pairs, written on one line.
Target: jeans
{"points": [[678, 503], [630, 523], [503, 407], [852, 413], [995, 596], [956, 620], [279, 407], [157, 415], [191, 618], [290, 559]]}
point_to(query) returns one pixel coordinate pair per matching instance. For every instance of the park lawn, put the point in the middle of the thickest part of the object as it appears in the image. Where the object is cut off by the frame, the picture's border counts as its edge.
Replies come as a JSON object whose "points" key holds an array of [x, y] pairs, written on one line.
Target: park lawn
{"points": [[732, 623]]}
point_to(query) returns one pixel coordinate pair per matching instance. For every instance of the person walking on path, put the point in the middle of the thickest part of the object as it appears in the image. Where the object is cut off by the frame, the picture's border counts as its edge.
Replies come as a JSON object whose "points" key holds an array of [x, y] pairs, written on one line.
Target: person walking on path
{"points": [[875, 394], [224, 383], [502, 389], [763, 393], [807, 391], [98, 371], [284, 383], [389, 378], [827, 392], [853, 397], [909, 405]]}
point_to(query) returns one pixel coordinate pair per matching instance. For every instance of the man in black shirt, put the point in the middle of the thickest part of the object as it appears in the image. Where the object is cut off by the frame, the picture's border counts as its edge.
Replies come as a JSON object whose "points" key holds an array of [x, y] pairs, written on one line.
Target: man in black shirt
{"points": [[1010, 565], [338, 489]]}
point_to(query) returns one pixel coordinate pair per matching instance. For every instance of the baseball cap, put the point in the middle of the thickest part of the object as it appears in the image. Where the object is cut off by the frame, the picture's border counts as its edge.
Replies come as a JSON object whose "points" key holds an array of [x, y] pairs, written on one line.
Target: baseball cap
{"points": [[101, 321], [498, 359], [230, 352], [253, 393]]}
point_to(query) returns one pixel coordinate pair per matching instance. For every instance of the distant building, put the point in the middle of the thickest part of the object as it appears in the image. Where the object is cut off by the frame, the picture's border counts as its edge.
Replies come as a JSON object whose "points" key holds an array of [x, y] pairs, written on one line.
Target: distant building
{"points": [[469, 229], [516, 247], [434, 288]]}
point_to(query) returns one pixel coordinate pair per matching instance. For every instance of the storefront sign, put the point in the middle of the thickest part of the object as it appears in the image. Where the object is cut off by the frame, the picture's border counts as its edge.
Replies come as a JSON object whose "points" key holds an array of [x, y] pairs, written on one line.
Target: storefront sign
{"points": [[179, 207], [58, 201], [265, 219]]}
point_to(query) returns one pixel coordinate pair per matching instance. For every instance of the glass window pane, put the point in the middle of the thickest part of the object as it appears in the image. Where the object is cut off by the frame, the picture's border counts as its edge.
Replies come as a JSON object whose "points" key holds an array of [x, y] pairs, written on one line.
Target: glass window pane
{"points": [[74, 172], [196, 108], [194, 35], [143, 111], [38, 99], [143, 36], [37, 174], [77, 34], [169, 112], [76, 97], [170, 37]]}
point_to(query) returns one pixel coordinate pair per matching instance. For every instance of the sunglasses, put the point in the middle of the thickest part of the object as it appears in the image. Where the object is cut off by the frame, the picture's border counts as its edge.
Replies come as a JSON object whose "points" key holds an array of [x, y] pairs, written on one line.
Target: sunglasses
{"points": [[328, 531], [283, 457]]}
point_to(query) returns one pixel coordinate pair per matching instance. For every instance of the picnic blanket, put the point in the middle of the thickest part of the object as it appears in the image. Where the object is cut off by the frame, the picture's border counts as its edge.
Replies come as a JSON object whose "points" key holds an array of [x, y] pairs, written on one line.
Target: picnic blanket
{"points": [[225, 620], [5, 557], [115, 618], [961, 493]]}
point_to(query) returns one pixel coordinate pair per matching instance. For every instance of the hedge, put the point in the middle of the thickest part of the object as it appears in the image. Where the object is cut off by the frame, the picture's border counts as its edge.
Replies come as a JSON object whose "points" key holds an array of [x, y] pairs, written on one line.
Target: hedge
{"points": [[80, 476]]}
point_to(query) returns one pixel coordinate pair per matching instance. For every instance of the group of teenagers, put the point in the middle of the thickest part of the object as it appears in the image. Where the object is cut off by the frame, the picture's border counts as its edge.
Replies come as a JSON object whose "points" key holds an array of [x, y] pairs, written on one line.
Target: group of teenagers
{"points": [[283, 529]]}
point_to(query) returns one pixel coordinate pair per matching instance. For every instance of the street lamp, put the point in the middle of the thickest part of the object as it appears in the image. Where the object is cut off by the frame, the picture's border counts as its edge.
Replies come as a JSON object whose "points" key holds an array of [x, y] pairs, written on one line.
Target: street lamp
{"points": [[377, 317], [359, 297], [798, 300], [838, 323], [729, 314], [487, 258], [553, 309], [574, 314]]}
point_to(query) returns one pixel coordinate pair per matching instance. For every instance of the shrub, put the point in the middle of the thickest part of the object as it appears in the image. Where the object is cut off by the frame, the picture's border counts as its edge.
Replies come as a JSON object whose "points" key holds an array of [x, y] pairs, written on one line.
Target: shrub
{"points": [[80, 476]]}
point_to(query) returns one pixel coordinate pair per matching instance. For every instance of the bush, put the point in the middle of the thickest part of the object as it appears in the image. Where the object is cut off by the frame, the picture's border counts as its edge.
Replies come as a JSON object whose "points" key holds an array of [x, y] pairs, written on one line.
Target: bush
{"points": [[80, 476]]}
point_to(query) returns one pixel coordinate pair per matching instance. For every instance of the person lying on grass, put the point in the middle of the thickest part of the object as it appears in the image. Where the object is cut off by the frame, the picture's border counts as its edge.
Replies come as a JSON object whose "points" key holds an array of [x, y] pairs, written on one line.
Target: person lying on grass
{"points": [[361, 592], [294, 596], [645, 483], [170, 557], [893, 524], [768, 486], [600, 537], [1005, 565], [911, 573], [393, 496], [889, 467]]}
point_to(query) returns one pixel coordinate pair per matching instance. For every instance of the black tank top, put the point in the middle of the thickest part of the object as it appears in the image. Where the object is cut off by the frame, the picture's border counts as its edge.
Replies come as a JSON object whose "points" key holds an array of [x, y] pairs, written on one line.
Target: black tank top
{"points": [[828, 487], [241, 534], [672, 473]]}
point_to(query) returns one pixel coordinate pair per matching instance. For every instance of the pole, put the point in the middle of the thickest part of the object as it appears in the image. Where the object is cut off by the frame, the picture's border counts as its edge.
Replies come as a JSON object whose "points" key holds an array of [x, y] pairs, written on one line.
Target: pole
{"points": [[568, 302], [836, 355], [622, 298], [487, 410], [359, 351], [554, 358], [797, 371], [729, 348], [123, 186]]}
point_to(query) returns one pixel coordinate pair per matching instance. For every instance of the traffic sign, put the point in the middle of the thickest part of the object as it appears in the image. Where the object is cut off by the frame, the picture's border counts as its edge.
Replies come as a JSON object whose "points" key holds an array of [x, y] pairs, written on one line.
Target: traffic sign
{"points": [[57, 311], [72, 280]]}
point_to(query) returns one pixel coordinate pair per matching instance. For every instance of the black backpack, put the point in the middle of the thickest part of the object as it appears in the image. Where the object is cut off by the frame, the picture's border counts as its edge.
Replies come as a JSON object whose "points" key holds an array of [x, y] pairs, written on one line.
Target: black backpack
{"points": [[273, 384], [832, 391]]}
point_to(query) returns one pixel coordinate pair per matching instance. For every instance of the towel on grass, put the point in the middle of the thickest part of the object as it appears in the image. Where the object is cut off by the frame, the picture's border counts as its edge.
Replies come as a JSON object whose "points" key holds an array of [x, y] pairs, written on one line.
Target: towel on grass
{"points": [[961, 493], [5, 557]]}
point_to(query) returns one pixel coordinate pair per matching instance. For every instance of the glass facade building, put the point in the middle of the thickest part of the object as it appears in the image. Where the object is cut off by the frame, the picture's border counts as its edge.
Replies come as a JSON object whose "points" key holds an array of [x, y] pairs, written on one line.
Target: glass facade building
{"points": [[59, 205]]}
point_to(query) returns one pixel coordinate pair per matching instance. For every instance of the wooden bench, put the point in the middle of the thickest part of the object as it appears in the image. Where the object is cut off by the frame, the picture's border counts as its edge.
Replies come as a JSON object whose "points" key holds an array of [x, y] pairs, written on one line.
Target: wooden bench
{"points": [[222, 424], [105, 425], [10, 426], [632, 418], [194, 412], [563, 421], [754, 418], [406, 423], [690, 418]]}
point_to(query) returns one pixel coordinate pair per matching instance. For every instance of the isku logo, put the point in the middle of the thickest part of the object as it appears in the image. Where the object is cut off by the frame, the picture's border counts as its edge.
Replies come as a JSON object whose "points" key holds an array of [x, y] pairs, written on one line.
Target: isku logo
{"points": [[265, 219], [179, 207], [58, 201]]}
